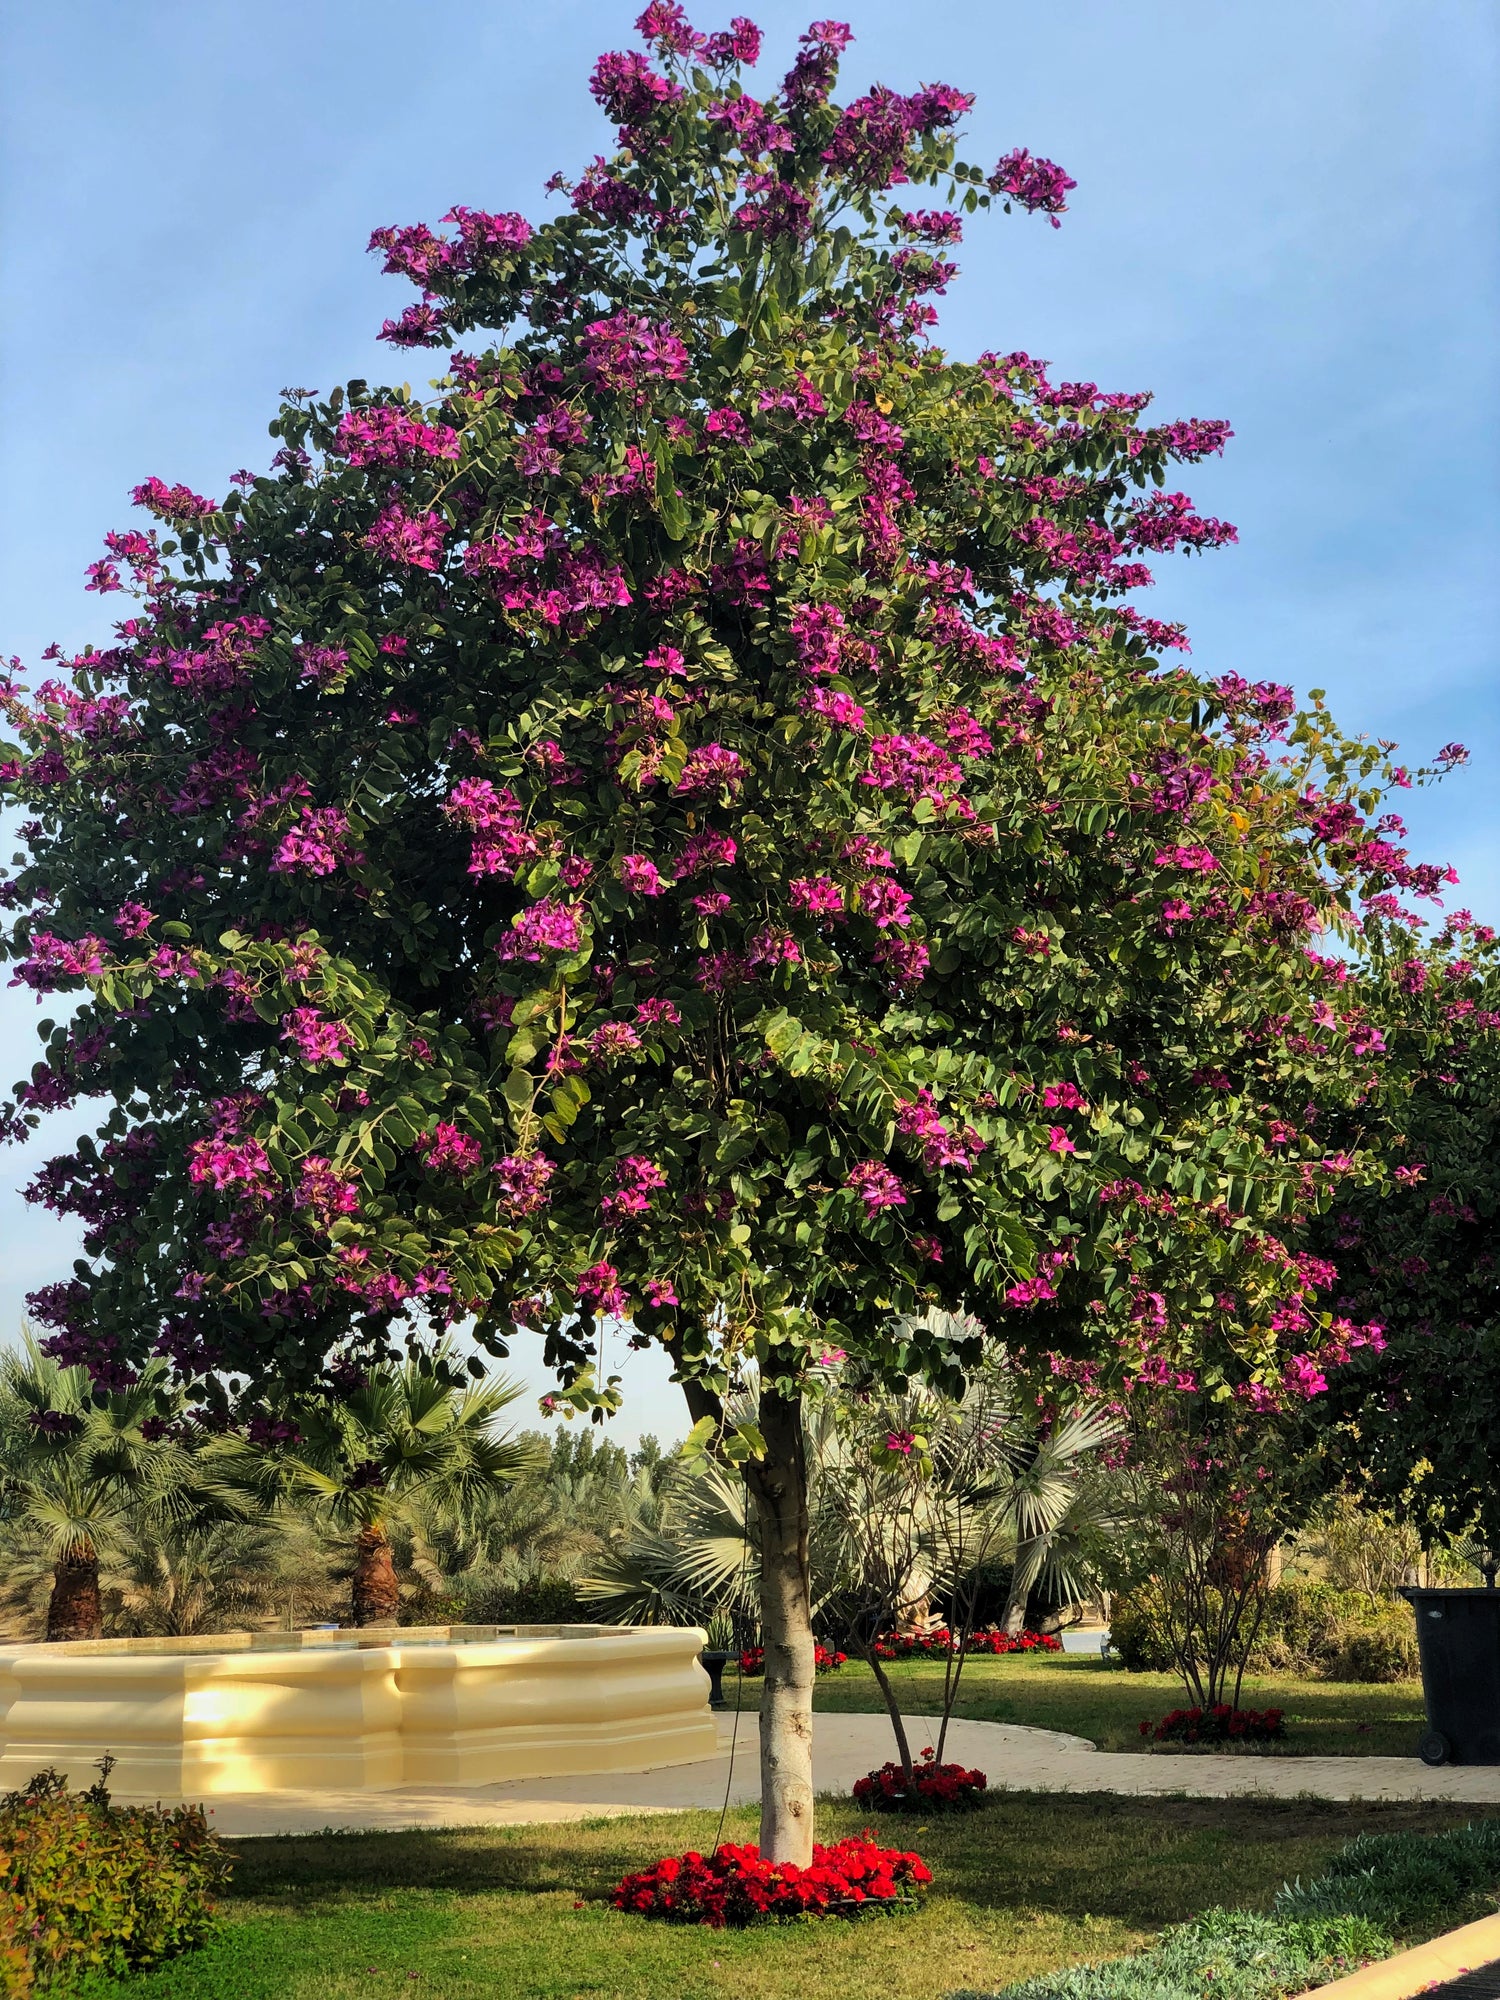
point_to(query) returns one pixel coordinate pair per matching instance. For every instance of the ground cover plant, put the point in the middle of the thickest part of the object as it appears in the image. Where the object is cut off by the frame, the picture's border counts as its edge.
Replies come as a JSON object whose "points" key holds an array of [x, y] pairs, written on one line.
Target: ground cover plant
{"points": [[683, 827], [1023, 1885], [1376, 1893]]}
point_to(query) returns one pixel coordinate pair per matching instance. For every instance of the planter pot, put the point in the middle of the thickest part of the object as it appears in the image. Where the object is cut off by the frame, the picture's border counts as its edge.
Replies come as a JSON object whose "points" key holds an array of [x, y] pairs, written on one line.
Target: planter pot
{"points": [[1458, 1636], [713, 1664]]}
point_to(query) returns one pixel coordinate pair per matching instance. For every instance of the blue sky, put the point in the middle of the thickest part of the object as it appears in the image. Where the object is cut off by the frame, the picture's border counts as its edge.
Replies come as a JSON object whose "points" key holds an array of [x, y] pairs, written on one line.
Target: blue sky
{"points": [[1285, 216]]}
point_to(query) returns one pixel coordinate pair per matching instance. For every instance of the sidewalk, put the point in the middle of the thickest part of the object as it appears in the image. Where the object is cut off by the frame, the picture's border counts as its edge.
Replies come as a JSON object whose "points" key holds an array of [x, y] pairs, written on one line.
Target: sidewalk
{"points": [[1014, 1758]]}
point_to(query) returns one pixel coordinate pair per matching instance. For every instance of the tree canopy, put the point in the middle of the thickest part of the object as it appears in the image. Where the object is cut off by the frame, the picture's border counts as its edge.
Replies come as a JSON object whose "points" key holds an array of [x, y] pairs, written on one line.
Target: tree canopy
{"points": [[683, 825]]}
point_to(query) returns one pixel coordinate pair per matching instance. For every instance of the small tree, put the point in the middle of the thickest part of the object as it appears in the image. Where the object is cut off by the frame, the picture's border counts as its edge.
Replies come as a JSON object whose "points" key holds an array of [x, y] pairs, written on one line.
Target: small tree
{"points": [[684, 829]]}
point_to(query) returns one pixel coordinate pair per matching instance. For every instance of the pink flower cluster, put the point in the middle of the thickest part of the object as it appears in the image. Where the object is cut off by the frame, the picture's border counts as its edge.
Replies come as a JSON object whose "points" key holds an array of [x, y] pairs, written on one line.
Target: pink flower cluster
{"points": [[545, 926], [316, 1038], [1040, 186], [318, 844], [415, 540], [386, 435], [523, 1181], [502, 841], [600, 1292], [914, 767], [636, 1180], [447, 1150], [711, 768], [324, 1193], [876, 1186], [917, 1120]]}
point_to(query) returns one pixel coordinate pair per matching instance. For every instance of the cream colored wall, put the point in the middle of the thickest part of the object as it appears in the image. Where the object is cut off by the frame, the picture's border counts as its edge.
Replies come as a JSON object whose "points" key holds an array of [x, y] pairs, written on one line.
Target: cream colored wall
{"points": [[354, 1711]]}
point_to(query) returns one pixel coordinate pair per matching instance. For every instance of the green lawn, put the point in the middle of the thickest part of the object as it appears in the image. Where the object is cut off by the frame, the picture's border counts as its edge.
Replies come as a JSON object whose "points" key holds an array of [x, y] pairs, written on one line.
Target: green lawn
{"points": [[1085, 1697], [522, 1913]]}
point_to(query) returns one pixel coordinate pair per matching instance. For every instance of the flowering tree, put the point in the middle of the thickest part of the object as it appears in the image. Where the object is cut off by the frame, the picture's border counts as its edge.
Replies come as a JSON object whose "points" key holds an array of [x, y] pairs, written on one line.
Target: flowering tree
{"points": [[1417, 1419], [683, 828]]}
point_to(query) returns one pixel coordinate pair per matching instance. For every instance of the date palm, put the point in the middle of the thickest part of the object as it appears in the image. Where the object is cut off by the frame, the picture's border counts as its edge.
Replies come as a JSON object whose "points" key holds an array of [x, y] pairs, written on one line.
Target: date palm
{"points": [[80, 1472], [410, 1438]]}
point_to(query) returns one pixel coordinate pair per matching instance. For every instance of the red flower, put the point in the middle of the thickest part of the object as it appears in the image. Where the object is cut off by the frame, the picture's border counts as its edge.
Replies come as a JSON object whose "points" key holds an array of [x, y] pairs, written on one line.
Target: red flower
{"points": [[735, 1886]]}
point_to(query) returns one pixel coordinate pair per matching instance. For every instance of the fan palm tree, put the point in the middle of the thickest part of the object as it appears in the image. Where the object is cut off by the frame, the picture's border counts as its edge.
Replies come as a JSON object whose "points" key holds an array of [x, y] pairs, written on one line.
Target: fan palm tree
{"points": [[409, 1439], [80, 1470]]}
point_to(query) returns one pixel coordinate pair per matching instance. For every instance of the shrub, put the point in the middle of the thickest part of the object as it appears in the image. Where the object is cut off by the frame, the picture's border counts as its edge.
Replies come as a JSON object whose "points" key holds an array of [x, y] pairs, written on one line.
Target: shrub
{"points": [[1309, 1628], [733, 1886], [1383, 1648], [1219, 1724], [1137, 1635], [540, 1600], [826, 1659], [933, 1787], [86, 1884]]}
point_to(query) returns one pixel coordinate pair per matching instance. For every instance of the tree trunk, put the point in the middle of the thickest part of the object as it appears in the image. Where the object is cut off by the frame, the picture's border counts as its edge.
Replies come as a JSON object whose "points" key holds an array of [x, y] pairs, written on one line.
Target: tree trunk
{"points": [[1014, 1621], [73, 1610], [778, 1489], [377, 1596]]}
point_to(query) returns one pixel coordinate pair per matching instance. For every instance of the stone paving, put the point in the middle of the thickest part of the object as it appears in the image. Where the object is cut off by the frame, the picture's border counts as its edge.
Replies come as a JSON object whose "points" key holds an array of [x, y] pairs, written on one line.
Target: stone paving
{"points": [[1015, 1758]]}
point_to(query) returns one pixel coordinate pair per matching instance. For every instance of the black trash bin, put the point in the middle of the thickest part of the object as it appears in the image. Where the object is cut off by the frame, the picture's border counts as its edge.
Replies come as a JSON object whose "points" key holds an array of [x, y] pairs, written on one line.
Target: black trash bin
{"points": [[1458, 1635]]}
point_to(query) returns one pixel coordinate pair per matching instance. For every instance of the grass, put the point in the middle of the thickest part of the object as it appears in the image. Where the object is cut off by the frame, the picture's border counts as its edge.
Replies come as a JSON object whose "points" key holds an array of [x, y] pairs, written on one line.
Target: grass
{"points": [[1024, 1885], [1084, 1696]]}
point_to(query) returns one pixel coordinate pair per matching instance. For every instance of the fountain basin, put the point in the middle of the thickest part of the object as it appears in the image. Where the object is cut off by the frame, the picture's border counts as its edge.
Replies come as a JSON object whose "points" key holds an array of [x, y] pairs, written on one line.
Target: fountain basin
{"points": [[365, 1710]]}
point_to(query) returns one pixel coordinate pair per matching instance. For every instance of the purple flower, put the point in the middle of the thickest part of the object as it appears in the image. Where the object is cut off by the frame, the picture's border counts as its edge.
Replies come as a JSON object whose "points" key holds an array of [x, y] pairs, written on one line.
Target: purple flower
{"points": [[325, 1193], [598, 1289], [413, 539], [447, 1150], [636, 1180], [1040, 186], [640, 875], [383, 435], [876, 1186], [172, 503], [545, 926], [523, 1181], [315, 1037], [711, 768], [318, 844]]}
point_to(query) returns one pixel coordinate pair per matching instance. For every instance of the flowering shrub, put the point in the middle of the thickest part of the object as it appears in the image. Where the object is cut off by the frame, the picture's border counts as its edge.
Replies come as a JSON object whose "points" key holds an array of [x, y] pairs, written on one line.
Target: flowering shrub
{"points": [[1219, 1724], [933, 1787], [939, 1643], [735, 1886], [88, 1884], [825, 1659]]}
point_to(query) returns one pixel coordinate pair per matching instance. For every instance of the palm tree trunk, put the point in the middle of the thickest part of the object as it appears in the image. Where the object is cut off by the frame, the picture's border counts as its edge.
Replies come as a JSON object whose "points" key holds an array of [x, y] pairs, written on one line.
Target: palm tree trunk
{"points": [[778, 1488], [73, 1610], [376, 1594], [1014, 1621]]}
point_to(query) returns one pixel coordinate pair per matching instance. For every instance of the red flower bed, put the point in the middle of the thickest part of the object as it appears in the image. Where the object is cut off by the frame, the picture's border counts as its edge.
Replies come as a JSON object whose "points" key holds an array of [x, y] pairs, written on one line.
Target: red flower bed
{"points": [[1220, 1724], [734, 1886], [825, 1659], [934, 1787], [938, 1643]]}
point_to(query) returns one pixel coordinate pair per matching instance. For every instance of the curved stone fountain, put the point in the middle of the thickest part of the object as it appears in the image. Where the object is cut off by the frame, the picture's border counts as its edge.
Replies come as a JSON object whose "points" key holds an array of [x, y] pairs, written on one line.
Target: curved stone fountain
{"points": [[367, 1709]]}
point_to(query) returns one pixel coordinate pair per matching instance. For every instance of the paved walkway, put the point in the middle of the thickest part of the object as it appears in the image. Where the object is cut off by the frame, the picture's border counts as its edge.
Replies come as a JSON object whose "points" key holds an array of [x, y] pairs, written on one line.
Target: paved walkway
{"points": [[845, 1747]]}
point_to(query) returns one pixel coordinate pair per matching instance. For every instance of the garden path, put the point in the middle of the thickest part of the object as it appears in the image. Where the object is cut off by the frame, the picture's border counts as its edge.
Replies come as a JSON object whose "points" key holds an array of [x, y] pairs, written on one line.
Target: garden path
{"points": [[1014, 1757]]}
